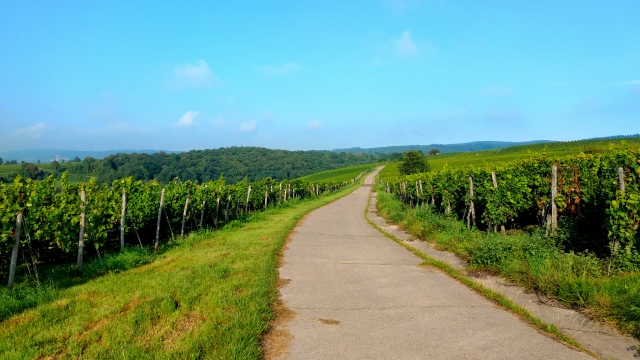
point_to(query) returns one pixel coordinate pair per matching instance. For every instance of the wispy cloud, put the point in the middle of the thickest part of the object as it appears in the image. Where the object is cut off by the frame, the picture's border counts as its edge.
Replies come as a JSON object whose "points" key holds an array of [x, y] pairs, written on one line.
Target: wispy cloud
{"points": [[269, 70], [197, 75], [188, 118], [405, 46], [32, 132], [314, 124], [247, 126]]}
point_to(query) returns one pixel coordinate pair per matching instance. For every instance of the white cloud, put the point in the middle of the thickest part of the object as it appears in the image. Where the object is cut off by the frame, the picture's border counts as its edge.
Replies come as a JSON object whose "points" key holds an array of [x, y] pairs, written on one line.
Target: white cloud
{"points": [[197, 75], [314, 124], [188, 118], [405, 45], [32, 132], [285, 69], [248, 126]]}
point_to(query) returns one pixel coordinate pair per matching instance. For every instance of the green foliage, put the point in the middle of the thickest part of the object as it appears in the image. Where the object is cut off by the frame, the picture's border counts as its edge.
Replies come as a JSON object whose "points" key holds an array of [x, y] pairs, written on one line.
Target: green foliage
{"points": [[339, 175], [413, 162], [588, 195], [208, 295], [235, 163], [52, 214]]}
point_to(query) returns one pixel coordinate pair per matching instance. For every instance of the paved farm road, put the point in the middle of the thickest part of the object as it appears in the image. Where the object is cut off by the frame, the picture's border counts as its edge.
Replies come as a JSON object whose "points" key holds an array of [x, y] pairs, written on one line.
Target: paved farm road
{"points": [[359, 295]]}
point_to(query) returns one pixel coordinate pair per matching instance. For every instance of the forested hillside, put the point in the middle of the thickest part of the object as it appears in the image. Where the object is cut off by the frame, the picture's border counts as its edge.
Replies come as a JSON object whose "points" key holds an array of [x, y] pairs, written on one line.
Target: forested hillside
{"points": [[234, 163]]}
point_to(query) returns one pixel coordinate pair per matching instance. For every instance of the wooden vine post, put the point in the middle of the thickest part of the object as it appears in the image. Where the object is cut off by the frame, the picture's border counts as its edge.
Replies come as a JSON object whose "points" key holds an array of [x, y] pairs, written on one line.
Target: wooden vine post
{"points": [[204, 202], [246, 204], [495, 186], [433, 198], [184, 215], [83, 198], [155, 246], [266, 197], [215, 221], [471, 218], [621, 186], [226, 210], [124, 208], [14, 252], [554, 193]]}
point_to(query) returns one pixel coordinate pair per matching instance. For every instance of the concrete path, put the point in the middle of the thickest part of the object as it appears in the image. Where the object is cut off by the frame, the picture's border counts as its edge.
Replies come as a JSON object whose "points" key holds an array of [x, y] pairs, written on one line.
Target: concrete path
{"points": [[358, 295]]}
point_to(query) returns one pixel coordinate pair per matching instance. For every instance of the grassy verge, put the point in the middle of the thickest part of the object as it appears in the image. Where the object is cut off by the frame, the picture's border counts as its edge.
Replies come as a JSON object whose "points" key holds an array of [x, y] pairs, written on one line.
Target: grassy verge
{"points": [[486, 292], [531, 260], [339, 175], [208, 296]]}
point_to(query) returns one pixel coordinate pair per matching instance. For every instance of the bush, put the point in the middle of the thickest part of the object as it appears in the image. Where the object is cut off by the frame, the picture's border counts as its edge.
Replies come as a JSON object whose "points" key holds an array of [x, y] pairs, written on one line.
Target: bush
{"points": [[413, 162]]}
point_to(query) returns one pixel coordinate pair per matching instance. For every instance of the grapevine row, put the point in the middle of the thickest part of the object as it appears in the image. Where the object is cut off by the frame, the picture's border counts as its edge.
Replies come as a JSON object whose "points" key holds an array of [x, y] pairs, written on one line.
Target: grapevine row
{"points": [[50, 218], [601, 190]]}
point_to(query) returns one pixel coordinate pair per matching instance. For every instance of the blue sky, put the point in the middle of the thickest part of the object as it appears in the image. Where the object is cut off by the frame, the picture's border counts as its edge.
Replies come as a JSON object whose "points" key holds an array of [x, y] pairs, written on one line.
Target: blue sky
{"points": [[301, 75]]}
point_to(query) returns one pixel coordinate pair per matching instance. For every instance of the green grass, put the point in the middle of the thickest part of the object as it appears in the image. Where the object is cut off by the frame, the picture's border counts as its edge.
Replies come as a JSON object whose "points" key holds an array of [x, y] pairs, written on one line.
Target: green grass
{"points": [[492, 158], [209, 295], [339, 175], [531, 260]]}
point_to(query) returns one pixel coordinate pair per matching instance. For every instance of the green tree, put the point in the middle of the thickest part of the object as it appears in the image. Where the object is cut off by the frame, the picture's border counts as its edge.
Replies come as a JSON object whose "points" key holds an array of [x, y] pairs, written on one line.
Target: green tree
{"points": [[31, 171], [413, 161], [434, 151], [1, 161]]}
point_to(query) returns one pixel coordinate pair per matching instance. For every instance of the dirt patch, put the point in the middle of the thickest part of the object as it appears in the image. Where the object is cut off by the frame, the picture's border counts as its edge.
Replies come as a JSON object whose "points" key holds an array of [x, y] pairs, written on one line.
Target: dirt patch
{"points": [[275, 344], [19, 320], [186, 324], [329, 321]]}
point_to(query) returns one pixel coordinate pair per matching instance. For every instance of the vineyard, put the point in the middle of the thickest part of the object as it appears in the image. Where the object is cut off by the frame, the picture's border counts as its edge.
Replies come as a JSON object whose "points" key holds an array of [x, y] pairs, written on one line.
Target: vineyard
{"points": [[489, 158], [50, 223], [591, 202], [338, 175]]}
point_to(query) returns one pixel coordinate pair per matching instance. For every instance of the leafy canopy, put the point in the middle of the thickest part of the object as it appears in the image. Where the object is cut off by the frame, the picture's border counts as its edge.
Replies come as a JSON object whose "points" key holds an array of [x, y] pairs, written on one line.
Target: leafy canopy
{"points": [[413, 161]]}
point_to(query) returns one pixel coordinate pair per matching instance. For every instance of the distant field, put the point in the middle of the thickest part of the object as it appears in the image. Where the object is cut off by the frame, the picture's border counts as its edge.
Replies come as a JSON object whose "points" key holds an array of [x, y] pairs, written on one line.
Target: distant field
{"points": [[488, 158], [338, 175]]}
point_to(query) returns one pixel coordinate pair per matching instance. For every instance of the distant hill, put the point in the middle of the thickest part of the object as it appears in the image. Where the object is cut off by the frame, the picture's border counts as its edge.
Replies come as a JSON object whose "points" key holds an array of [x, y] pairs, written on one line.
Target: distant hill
{"points": [[462, 147], [444, 148], [48, 155]]}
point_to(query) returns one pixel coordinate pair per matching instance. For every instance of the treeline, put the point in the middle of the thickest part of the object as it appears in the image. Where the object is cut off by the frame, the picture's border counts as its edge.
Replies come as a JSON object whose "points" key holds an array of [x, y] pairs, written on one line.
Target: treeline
{"points": [[234, 163]]}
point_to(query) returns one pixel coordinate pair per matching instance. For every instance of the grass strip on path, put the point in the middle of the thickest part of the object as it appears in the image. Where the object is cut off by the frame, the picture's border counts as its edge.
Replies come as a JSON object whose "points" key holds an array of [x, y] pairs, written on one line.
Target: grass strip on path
{"points": [[211, 296], [492, 295]]}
